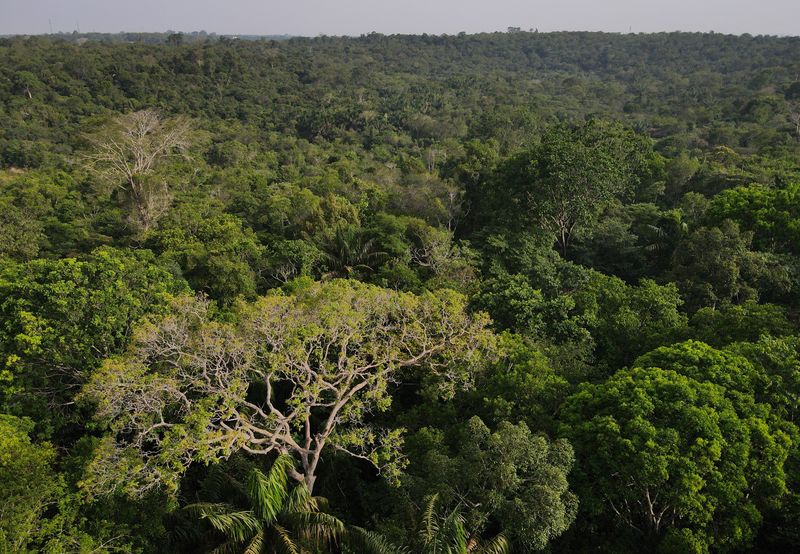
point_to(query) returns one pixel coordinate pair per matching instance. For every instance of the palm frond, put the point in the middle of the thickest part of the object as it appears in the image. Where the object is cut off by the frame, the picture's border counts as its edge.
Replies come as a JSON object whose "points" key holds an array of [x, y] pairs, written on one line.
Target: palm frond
{"points": [[360, 541], [300, 500], [256, 544], [284, 543], [498, 544], [349, 251], [217, 483], [238, 526], [220, 484], [429, 525], [230, 547], [317, 527], [199, 509], [183, 528], [268, 492], [453, 533], [320, 504], [657, 231]]}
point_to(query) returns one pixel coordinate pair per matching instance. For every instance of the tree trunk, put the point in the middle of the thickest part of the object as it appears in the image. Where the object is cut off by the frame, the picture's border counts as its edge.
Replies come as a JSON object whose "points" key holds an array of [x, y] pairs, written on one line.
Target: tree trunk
{"points": [[309, 480], [564, 237]]}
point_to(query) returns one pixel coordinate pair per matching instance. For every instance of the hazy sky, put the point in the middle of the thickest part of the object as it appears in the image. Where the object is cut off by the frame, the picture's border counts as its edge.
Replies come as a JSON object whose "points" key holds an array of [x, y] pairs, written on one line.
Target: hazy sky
{"points": [[354, 17]]}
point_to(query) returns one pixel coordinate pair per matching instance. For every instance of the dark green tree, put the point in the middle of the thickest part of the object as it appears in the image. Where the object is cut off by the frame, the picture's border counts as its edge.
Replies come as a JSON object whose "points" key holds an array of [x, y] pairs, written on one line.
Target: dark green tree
{"points": [[567, 179]]}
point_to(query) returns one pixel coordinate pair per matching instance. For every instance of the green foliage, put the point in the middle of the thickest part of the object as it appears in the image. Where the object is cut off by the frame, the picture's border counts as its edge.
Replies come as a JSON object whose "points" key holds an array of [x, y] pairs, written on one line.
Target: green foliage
{"points": [[216, 254], [743, 323], [29, 485], [622, 321], [779, 358], [38, 513], [50, 213], [715, 266], [521, 384], [513, 303], [631, 241], [703, 363], [571, 175], [21, 234], [509, 476], [62, 317], [669, 458], [186, 276], [772, 213], [628, 320]]}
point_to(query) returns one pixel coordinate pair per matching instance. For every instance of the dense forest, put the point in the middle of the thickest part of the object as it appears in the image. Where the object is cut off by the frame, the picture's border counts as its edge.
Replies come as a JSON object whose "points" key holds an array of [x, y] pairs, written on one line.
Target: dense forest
{"points": [[509, 292]]}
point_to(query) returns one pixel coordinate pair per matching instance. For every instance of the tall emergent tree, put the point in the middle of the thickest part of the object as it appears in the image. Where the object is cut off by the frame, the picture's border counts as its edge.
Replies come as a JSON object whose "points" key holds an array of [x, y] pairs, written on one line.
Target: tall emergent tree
{"points": [[129, 151], [572, 174], [293, 374]]}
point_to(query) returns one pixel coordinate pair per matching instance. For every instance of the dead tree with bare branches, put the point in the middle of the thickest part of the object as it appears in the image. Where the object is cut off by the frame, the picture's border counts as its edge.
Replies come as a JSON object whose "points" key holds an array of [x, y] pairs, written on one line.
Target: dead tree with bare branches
{"points": [[127, 154]]}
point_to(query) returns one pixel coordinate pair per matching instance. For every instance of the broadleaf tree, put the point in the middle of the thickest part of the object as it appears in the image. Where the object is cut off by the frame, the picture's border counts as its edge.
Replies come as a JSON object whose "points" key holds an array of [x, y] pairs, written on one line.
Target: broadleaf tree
{"points": [[295, 374]]}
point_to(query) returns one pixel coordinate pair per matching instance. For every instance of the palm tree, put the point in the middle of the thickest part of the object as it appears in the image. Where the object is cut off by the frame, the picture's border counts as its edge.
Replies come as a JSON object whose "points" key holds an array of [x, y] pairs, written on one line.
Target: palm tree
{"points": [[274, 518], [271, 517], [349, 253], [447, 534]]}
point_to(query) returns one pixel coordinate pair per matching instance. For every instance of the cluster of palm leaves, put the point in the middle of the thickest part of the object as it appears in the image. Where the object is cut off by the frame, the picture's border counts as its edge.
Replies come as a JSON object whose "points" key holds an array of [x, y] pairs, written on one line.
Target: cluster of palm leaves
{"points": [[446, 533], [272, 516], [350, 254]]}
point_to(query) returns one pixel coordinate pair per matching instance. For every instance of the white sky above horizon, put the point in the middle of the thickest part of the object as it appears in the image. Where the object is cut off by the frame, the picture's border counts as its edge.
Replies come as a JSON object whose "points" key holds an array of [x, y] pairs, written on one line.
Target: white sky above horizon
{"points": [[355, 17]]}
